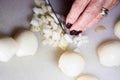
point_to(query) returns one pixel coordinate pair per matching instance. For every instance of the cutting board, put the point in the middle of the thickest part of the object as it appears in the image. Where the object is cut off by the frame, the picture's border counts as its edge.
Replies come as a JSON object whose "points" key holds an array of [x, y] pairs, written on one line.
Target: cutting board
{"points": [[15, 14]]}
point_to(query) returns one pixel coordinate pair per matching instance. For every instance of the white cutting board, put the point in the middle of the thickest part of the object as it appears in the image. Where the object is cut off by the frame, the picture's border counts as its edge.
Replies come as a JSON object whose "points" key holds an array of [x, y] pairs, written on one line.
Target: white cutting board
{"points": [[43, 66]]}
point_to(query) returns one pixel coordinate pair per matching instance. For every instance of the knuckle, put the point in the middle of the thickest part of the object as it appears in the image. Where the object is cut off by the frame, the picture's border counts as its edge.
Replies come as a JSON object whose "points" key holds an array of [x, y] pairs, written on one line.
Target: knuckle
{"points": [[77, 1], [99, 18], [91, 13], [71, 18]]}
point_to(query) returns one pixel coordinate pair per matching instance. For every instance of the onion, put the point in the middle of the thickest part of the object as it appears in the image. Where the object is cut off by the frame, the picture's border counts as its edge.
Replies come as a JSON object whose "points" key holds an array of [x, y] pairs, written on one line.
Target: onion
{"points": [[87, 77], [109, 53], [71, 63], [8, 48], [117, 29], [27, 43]]}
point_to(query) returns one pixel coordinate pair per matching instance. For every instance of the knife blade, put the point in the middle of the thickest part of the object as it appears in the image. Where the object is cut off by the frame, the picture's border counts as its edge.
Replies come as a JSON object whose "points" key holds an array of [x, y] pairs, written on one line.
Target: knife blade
{"points": [[64, 29]]}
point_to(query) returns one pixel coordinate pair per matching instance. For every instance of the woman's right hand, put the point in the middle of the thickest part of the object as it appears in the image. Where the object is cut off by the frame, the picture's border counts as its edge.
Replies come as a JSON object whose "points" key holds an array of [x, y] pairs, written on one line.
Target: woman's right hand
{"points": [[86, 13]]}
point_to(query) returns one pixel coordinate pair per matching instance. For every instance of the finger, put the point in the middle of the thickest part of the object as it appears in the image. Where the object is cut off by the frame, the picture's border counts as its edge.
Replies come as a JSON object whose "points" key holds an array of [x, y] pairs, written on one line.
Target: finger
{"points": [[100, 17], [94, 21], [90, 13], [77, 8], [110, 4]]}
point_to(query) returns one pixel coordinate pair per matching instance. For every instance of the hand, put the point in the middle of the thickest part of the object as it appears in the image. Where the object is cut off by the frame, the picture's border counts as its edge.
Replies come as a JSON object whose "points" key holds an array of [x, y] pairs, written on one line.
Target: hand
{"points": [[86, 13]]}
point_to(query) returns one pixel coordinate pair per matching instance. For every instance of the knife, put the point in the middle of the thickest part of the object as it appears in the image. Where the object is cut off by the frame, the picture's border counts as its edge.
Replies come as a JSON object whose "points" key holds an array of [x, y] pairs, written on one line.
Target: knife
{"points": [[64, 29]]}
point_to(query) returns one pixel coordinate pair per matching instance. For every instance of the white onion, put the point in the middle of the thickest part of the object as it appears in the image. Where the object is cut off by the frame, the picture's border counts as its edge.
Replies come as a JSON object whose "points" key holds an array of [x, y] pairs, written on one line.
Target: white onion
{"points": [[56, 36], [27, 43], [117, 29], [37, 11], [68, 38], [109, 53], [8, 48], [87, 77], [39, 2], [47, 32], [35, 22], [71, 63]]}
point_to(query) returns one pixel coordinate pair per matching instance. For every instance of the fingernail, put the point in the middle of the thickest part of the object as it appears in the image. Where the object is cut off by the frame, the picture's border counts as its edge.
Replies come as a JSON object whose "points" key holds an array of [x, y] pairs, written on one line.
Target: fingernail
{"points": [[78, 32], [68, 25], [73, 32]]}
